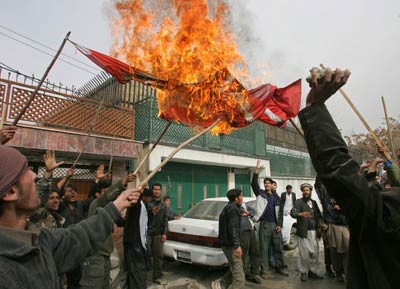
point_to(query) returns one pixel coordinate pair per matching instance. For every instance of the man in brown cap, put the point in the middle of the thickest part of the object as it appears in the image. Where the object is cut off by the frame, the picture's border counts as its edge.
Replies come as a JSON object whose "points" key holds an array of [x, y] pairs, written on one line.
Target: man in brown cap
{"points": [[30, 260]]}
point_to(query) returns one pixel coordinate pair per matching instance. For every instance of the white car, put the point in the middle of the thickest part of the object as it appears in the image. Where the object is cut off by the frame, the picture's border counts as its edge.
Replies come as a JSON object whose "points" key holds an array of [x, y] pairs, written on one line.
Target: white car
{"points": [[194, 238], [289, 233]]}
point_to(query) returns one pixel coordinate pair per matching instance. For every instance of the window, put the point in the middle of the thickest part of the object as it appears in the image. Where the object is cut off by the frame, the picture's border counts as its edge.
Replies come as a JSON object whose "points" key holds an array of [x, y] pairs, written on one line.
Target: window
{"points": [[216, 190], [205, 192]]}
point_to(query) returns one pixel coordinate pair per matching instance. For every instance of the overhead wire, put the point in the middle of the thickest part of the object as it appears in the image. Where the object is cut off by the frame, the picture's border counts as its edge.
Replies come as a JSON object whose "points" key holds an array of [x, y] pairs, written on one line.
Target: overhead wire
{"points": [[49, 54], [48, 47]]}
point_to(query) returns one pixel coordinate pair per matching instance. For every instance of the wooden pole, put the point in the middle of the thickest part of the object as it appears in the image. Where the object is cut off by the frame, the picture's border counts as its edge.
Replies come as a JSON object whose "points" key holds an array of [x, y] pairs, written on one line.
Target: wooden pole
{"points": [[91, 127], [299, 130], [33, 95], [174, 152], [152, 148], [389, 129], [374, 136]]}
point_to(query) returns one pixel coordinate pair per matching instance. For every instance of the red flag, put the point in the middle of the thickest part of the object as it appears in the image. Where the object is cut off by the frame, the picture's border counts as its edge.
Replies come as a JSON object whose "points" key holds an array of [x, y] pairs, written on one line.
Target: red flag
{"points": [[267, 103], [276, 105], [121, 71]]}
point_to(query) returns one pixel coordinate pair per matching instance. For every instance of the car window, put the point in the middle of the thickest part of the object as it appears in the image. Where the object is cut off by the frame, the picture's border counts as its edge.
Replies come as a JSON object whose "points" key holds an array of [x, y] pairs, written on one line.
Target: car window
{"points": [[206, 210], [251, 207], [210, 210]]}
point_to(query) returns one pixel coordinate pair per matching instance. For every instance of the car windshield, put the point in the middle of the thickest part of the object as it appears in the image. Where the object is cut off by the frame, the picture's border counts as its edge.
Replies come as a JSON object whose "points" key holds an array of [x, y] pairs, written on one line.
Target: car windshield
{"points": [[206, 210], [210, 210]]}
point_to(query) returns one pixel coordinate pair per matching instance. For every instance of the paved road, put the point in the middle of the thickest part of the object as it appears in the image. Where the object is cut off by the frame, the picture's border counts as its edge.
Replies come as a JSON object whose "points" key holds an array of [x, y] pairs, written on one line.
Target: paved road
{"points": [[204, 276]]}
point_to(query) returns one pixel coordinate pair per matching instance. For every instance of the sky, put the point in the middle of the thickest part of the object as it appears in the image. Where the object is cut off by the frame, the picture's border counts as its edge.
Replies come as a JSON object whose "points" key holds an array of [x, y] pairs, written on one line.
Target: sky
{"points": [[288, 37]]}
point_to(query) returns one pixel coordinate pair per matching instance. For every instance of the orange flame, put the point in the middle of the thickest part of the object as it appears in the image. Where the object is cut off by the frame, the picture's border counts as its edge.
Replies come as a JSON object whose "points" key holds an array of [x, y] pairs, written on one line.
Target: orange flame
{"points": [[185, 42]]}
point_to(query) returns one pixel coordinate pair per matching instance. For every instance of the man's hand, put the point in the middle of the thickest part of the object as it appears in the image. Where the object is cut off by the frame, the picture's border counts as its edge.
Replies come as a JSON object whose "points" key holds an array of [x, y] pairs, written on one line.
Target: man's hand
{"points": [[337, 207], [238, 252], [321, 91], [155, 210], [278, 229], [365, 165], [244, 213], [258, 167], [50, 161], [163, 238], [7, 133], [130, 178], [127, 198], [304, 214], [70, 173]]}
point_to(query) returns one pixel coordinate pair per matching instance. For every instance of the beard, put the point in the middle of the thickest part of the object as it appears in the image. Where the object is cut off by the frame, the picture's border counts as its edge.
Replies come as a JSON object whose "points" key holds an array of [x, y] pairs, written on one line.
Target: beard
{"points": [[307, 197]]}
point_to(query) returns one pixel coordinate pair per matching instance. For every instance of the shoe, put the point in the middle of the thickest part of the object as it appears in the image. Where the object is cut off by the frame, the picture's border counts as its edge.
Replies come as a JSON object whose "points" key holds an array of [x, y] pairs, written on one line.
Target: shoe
{"points": [[329, 272], [282, 272], [264, 276], [256, 279], [303, 277], [315, 276], [216, 284], [339, 277], [160, 282]]}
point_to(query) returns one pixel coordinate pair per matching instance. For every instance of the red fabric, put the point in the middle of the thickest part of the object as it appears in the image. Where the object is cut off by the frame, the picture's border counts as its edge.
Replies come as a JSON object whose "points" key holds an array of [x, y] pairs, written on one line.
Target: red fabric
{"points": [[268, 103], [121, 71]]}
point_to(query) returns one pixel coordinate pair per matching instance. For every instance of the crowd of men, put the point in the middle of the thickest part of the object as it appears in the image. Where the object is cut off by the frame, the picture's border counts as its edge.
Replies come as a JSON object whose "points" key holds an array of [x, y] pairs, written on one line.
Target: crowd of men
{"points": [[79, 261], [45, 232], [359, 222]]}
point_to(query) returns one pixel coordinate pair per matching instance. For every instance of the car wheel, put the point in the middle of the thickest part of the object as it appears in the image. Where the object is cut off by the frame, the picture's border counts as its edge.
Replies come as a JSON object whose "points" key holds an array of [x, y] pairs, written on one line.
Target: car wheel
{"points": [[293, 240]]}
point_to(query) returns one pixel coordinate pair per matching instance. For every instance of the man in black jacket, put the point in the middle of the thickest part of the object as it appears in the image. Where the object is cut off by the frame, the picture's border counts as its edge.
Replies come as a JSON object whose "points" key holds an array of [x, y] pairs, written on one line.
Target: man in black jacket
{"points": [[374, 217], [229, 239], [135, 244], [157, 231], [307, 213], [336, 242]]}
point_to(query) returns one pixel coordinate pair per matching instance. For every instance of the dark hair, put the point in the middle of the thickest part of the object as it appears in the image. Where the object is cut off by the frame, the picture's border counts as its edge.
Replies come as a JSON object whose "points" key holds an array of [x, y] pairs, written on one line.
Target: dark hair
{"points": [[273, 182], [147, 193], [269, 180], [233, 193], [156, 185], [73, 187], [166, 198], [289, 187]]}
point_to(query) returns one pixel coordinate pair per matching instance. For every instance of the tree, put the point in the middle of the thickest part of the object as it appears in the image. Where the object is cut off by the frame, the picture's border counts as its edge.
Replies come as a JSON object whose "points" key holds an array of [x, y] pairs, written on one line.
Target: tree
{"points": [[363, 146]]}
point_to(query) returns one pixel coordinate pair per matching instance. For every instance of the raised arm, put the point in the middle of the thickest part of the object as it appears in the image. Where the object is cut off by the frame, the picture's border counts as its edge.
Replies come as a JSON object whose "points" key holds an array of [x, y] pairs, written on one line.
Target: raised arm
{"points": [[43, 185], [72, 245], [7, 133], [254, 181], [328, 151]]}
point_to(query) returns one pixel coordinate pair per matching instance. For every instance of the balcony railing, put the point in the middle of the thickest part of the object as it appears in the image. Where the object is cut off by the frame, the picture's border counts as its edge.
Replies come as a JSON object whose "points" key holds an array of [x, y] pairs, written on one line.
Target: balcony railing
{"points": [[55, 110]]}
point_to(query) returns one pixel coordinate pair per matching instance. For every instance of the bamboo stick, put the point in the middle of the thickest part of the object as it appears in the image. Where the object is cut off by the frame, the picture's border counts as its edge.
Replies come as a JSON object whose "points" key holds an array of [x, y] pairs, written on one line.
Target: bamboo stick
{"points": [[152, 148], [21, 113], [374, 136], [299, 130], [389, 129], [174, 152]]}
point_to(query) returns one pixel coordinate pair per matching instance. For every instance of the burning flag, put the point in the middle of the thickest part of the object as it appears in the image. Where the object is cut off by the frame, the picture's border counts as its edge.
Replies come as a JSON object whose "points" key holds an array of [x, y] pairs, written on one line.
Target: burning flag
{"points": [[189, 53], [221, 94]]}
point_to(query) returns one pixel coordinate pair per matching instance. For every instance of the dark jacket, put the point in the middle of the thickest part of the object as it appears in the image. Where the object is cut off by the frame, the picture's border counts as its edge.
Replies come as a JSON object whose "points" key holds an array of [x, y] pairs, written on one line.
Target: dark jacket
{"points": [[76, 215], [373, 216], [283, 197], [330, 215], [108, 196], [158, 223], [33, 261], [302, 223], [229, 226], [262, 202]]}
